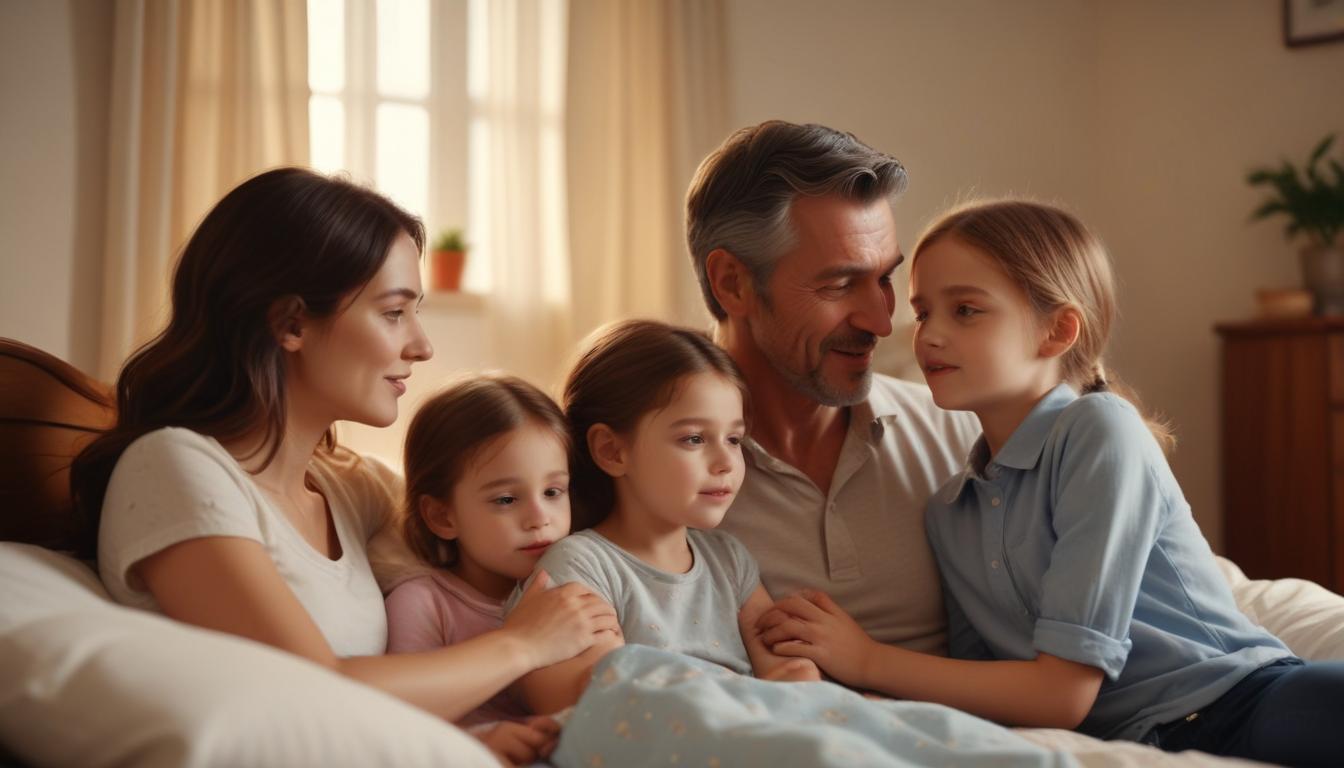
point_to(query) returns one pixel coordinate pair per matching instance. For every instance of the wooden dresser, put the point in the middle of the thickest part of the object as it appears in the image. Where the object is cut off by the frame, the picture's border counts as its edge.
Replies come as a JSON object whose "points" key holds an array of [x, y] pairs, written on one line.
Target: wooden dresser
{"points": [[1283, 448]]}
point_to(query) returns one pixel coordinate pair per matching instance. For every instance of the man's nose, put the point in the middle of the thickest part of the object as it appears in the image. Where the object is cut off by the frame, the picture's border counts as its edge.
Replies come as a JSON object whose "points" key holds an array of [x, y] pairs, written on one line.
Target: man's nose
{"points": [[873, 314]]}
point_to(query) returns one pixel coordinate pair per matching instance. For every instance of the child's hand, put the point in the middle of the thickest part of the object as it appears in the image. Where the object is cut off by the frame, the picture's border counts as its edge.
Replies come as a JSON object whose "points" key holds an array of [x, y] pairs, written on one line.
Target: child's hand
{"points": [[559, 624], [521, 743], [794, 671], [810, 625]]}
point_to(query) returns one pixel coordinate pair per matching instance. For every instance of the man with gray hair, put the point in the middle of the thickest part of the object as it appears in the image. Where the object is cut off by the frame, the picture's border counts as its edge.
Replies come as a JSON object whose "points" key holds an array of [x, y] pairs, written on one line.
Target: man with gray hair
{"points": [[792, 236]]}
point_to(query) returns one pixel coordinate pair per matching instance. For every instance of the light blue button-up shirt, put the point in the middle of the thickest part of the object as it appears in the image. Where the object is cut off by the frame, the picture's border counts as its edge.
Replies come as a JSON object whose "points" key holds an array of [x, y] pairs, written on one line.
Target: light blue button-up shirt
{"points": [[1075, 540]]}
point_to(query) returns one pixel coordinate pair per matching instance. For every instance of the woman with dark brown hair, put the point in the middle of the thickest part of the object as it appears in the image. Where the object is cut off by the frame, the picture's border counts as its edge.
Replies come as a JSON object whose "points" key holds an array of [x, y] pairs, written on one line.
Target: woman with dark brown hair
{"points": [[220, 497]]}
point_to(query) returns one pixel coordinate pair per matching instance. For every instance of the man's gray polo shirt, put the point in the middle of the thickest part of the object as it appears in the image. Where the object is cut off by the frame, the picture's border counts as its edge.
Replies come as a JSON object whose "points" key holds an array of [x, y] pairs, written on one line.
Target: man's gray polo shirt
{"points": [[864, 542]]}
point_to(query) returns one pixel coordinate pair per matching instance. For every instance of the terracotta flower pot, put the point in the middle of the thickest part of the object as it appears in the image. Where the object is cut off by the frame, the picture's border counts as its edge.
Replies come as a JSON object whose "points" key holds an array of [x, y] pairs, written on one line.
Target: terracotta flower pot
{"points": [[1323, 275], [445, 270]]}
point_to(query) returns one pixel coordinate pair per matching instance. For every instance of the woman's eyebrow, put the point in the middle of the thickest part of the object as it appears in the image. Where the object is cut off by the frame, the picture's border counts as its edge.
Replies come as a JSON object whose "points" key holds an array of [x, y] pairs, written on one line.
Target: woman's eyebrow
{"points": [[404, 292]]}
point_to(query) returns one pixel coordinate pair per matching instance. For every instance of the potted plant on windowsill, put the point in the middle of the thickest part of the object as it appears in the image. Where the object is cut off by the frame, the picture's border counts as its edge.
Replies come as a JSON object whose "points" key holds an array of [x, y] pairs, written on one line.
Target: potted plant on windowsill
{"points": [[1314, 205], [447, 259]]}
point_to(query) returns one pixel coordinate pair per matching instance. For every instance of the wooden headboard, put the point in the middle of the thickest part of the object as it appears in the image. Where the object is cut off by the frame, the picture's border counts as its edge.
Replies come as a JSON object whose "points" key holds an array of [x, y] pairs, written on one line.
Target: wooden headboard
{"points": [[48, 412]]}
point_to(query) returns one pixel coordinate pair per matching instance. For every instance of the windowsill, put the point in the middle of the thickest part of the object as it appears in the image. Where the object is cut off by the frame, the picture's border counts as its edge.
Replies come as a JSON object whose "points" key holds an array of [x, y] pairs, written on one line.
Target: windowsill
{"points": [[453, 302]]}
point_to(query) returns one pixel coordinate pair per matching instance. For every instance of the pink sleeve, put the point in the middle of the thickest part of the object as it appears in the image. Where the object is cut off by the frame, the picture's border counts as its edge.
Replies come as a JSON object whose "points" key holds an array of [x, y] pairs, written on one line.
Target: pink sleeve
{"points": [[416, 620]]}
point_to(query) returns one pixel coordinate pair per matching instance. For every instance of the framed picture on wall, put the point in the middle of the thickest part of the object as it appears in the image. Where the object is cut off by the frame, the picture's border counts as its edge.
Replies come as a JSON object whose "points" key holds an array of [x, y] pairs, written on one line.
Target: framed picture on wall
{"points": [[1309, 22]]}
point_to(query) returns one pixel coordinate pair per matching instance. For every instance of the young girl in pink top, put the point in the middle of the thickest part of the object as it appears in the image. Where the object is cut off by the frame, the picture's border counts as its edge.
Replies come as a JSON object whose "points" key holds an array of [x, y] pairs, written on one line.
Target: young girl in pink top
{"points": [[487, 492]]}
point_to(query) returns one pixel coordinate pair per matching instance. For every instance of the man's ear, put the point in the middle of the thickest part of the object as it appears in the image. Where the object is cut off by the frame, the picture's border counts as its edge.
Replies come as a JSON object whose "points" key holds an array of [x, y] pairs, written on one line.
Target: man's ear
{"points": [[1062, 332], [286, 319], [730, 281], [438, 517], [607, 449]]}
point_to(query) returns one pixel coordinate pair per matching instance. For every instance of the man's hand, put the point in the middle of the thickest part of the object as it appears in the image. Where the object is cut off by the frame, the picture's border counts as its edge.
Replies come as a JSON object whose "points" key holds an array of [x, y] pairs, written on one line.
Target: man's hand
{"points": [[810, 625], [794, 671], [521, 743]]}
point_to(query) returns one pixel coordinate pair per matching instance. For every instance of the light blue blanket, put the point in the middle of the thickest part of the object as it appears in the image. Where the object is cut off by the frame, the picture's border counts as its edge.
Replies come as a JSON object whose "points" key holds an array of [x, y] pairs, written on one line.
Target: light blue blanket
{"points": [[648, 707]]}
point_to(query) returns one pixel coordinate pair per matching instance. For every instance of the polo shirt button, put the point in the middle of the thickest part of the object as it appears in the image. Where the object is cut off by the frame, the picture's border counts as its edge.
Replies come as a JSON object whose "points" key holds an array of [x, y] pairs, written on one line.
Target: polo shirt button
{"points": [[994, 502], [994, 564]]}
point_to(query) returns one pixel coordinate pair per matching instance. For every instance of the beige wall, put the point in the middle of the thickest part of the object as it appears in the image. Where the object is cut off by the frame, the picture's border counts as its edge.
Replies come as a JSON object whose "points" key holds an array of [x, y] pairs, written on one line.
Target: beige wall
{"points": [[1193, 95], [55, 60], [1141, 116]]}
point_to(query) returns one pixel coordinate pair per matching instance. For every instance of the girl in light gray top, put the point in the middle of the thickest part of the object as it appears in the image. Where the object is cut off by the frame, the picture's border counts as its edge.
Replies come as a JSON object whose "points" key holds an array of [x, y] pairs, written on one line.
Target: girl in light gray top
{"points": [[657, 414]]}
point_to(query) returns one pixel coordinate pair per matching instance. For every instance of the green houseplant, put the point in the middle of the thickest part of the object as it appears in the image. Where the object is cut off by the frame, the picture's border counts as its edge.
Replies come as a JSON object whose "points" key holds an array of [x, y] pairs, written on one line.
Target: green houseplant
{"points": [[447, 259], [1313, 201]]}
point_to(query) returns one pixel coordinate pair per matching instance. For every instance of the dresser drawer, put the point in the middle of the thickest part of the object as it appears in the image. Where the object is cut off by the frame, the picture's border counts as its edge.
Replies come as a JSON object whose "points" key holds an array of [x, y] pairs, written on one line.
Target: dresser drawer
{"points": [[1335, 360], [1337, 440]]}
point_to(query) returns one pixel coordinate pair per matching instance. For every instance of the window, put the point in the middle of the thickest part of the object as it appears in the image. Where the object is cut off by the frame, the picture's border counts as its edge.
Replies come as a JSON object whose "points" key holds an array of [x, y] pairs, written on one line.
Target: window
{"points": [[389, 105]]}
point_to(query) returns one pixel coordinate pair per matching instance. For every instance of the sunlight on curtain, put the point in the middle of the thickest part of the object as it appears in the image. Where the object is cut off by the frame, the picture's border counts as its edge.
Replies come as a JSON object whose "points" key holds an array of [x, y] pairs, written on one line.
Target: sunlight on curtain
{"points": [[204, 95], [646, 102], [517, 79]]}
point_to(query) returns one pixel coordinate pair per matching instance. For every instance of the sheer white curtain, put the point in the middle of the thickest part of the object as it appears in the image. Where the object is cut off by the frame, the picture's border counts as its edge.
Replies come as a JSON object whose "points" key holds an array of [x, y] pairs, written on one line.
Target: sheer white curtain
{"points": [[647, 100], [204, 94], [517, 80]]}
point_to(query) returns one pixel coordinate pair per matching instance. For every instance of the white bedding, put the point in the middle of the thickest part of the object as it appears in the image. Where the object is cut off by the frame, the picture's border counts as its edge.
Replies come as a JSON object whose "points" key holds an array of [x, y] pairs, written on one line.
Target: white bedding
{"points": [[86, 682]]}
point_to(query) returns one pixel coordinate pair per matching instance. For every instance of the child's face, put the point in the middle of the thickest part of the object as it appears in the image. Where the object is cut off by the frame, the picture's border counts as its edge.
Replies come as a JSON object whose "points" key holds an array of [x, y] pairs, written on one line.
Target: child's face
{"points": [[685, 461], [510, 504], [977, 338]]}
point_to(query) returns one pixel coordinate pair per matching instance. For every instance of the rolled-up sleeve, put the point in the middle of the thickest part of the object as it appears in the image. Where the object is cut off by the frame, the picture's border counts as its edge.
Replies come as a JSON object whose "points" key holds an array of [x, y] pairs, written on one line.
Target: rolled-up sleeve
{"points": [[1108, 507]]}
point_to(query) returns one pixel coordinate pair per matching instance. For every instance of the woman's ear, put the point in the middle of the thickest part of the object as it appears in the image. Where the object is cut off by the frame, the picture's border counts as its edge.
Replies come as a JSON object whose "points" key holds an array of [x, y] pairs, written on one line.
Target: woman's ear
{"points": [[286, 319], [607, 449], [438, 516], [1062, 332], [730, 281]]}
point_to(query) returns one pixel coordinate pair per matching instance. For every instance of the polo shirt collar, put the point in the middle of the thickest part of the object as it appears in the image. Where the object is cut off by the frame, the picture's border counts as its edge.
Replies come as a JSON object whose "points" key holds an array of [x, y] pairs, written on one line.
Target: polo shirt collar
{"points": [[866, 416], [1024, 446]]}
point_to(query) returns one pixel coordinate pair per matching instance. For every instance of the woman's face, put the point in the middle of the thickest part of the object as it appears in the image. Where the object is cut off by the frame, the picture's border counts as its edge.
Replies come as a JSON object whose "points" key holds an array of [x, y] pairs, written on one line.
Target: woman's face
{"points": [[353, 366]]}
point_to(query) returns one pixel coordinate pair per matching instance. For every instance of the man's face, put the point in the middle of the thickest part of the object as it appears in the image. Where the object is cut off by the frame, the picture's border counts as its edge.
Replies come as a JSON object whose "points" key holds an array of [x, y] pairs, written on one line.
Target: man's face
{"points": [[830, 298]]}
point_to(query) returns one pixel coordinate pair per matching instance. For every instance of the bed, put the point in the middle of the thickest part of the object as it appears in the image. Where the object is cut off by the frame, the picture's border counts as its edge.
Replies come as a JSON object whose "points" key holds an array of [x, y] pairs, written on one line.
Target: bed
{"points": [[86, 682]]}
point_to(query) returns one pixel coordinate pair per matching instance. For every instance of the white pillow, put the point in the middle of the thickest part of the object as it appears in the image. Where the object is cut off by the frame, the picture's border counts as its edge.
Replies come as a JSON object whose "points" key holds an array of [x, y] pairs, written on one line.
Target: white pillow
{"points": [[1307, 617], [89, 683]]}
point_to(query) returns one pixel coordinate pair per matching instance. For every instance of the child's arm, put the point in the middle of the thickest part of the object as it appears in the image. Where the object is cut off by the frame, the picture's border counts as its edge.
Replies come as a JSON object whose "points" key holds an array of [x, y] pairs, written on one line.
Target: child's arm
{"points": [[543, 625], [766, 664], [1047, 691], [550, 689]]}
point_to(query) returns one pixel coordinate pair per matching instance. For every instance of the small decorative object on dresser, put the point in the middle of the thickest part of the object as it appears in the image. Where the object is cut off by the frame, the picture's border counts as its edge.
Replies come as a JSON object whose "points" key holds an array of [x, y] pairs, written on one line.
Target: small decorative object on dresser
{"points": [[1283, 448], [1313, 201], [447, 260], [1283, 302]]}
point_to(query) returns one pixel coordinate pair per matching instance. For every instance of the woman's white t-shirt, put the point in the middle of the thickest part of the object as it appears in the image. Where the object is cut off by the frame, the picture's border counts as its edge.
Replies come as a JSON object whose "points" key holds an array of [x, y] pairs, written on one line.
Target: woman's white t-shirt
{"points": [[173, 484]]}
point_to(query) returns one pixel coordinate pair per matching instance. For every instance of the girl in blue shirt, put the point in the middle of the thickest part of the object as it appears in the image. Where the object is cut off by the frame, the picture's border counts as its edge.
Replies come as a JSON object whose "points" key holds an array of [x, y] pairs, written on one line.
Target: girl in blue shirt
{"points": [[1080, 592]]}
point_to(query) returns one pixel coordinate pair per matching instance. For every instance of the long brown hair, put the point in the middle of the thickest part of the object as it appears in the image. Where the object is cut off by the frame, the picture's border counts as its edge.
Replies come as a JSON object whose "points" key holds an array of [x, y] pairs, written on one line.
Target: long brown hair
{"points": [[285, 235], [1058, 263], [628, 369], [449, 431]]}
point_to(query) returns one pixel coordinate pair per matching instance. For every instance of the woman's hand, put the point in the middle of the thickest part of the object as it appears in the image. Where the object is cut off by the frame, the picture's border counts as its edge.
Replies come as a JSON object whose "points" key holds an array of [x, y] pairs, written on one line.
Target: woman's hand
{"points": [[810, 625], [521, 743], [558, 624]]}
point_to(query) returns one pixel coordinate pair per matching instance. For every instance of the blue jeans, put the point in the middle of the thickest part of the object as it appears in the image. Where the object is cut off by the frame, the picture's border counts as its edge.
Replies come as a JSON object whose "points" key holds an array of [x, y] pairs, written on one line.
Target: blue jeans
{"points": [[1290, 712]]}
